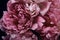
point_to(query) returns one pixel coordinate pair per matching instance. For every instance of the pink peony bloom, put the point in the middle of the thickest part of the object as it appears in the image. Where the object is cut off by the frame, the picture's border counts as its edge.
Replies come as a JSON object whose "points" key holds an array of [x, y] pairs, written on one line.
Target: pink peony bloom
{"points": [[41, 16]]}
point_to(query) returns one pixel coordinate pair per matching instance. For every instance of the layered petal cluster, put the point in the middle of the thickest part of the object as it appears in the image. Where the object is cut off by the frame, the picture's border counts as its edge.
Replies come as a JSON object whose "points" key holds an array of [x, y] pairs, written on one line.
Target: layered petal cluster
{"points": [[38, 15]]}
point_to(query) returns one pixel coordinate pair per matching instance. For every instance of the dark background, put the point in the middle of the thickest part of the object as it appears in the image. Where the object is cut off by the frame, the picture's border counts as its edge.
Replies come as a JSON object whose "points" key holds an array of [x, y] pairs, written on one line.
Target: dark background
{"points": [[3, 5]]}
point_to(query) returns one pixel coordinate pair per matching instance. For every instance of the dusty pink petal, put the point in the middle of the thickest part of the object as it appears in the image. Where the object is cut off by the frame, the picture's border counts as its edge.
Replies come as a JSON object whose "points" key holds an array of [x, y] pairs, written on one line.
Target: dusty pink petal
{"points": [[35, 26], [40, 19], [39, 1], [45, 30], [13, 1], [45, 10]]}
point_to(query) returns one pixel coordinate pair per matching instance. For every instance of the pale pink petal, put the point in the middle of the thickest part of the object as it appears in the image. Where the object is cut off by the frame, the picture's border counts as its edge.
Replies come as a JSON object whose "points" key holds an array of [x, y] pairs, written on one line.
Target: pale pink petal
{"points": [[44, 11]]}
